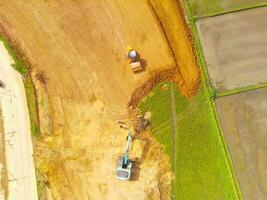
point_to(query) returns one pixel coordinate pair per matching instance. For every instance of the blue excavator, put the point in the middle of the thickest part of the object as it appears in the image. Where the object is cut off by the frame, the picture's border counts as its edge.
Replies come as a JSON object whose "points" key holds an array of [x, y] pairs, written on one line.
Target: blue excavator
{"points": [[124, 165]]}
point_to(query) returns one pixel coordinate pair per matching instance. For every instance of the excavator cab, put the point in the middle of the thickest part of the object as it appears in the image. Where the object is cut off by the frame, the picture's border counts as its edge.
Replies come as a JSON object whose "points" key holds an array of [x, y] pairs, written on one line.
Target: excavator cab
{"points": [[124, 170], [134, 59], [124, 165]]}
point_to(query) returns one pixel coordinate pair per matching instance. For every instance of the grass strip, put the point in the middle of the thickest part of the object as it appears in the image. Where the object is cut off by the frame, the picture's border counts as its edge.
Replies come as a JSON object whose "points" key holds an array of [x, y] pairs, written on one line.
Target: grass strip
{"points": [[162, 115], [240, 90], [216, 10], [19, 66]]}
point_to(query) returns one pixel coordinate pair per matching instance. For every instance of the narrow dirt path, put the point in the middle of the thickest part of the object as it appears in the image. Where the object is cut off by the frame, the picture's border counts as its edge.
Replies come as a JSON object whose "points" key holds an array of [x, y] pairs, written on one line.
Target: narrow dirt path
{"points": [[173, 113], [3, 171]]}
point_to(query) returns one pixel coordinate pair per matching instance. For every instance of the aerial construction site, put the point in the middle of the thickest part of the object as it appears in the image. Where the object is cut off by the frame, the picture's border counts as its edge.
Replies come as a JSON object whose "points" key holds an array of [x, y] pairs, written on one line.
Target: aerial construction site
{"points": [[113, 99]]}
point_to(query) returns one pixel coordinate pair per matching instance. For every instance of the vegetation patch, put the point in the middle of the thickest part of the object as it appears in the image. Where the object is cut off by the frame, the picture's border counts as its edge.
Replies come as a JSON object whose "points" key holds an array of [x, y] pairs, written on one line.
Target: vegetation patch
{"points": [[240, 90], [202, 170], [28, 85], [158, 102], [204, 8]]}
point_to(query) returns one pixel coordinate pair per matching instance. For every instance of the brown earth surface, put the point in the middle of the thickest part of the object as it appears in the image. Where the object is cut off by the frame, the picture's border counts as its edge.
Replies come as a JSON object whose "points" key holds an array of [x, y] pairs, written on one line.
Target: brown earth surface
{"points": [[78, 50], [244, 121], [235, 59]]}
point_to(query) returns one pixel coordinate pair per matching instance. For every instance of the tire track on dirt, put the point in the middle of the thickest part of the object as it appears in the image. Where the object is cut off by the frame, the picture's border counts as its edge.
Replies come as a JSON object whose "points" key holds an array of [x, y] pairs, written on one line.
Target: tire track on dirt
{"points": [[173, 119], [3, 171]]}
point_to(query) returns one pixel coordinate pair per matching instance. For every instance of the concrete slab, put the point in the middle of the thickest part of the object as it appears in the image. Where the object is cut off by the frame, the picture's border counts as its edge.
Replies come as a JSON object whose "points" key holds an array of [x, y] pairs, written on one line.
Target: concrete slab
{"points": [[235, 48], [244, 121]]}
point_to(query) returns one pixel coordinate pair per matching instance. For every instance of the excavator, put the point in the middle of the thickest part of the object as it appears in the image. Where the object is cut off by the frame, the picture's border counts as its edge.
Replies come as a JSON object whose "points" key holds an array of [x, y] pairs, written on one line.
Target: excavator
{"points": [[134, 60], [124, 165]]}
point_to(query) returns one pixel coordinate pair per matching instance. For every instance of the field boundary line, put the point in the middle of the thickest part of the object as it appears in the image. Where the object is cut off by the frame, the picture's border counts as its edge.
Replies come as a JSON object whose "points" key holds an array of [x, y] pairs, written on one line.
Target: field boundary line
{"points": [[240, 90], [173, 118], [234, 10], [212, 93]]}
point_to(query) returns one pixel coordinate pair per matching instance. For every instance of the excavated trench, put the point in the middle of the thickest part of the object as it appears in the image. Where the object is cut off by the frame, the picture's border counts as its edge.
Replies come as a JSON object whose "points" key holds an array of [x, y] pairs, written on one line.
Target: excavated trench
{"points": [[186, 86]]}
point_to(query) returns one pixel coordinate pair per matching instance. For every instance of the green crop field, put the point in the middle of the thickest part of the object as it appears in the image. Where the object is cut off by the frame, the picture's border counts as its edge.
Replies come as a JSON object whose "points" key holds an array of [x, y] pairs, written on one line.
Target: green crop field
{"points": [[201, 8], [201, 167], [159, 103]]}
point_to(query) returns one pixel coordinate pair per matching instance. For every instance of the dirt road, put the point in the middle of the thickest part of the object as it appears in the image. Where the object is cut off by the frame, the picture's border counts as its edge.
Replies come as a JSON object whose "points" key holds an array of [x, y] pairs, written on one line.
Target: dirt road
{"points": [[80, 46], [18, 144]]}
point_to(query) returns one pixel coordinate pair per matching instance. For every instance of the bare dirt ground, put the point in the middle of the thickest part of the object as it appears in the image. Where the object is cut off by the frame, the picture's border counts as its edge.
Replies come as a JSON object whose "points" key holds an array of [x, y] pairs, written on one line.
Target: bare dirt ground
{"points": [[244, 122], [234, 47], [79, 48]]}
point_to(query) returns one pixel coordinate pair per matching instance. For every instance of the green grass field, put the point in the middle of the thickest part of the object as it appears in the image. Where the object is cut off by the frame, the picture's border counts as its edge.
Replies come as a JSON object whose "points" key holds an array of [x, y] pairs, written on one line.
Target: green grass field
{"points": [[202, 169], [201, 8], [28, 84], [159, 103]]}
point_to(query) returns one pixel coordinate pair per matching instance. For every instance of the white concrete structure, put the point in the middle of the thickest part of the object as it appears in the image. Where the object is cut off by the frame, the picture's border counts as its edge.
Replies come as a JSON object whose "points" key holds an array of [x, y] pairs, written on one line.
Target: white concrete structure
{"points": [[20, 165]]}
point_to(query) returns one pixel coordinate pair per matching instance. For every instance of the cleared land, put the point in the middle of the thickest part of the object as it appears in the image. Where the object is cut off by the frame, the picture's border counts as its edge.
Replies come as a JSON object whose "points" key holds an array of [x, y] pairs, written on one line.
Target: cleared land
{"points": [[200, 8], [80, 47], [244, 121], [201, 167], [235, 49], [77, 53]]}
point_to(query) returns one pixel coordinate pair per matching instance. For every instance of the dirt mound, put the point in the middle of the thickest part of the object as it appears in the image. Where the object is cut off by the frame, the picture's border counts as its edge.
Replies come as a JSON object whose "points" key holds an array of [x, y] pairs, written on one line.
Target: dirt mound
{"points": [[79, 46]]}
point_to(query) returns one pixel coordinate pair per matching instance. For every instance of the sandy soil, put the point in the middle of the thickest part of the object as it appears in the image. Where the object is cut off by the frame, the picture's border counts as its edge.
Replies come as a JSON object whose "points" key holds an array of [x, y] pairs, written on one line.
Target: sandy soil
{"points": [[235, 59], [244, 122], [79, 48]]}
